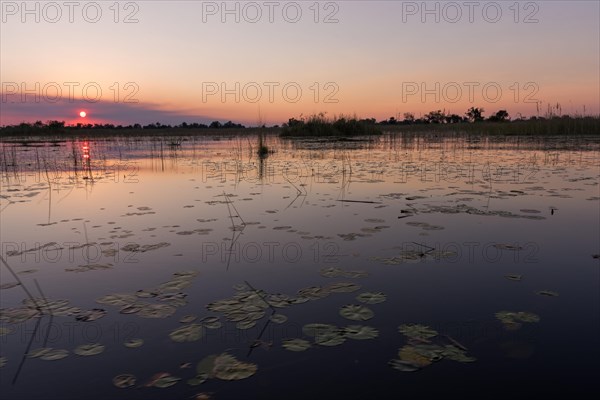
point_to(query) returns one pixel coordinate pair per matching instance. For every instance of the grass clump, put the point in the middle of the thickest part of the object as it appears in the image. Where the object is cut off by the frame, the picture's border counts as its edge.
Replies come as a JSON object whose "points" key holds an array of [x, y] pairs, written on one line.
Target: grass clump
{"points": [[319, 125]]}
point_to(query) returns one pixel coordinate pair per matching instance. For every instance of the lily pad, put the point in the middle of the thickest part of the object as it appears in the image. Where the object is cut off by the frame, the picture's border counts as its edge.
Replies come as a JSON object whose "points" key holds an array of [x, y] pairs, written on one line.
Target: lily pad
{"points": [[343, 287], [245, 324], [316, 329], [371, 297], [296, 344], [134, 343], [197, 380], [187, 333], [91, 315], [356, 312], [455, 354], [278, 318], [157, 311], [411, 355], [332, 338], [417, 331], [166, 381], [513, 277], [186, 319], [403, 366], [360, 332], [228, 368], [35, 353], [513, 320], [206, 365], [124, 381], [89, 349], [54, 354], [211, 322], [117, 299], [548, 293]]}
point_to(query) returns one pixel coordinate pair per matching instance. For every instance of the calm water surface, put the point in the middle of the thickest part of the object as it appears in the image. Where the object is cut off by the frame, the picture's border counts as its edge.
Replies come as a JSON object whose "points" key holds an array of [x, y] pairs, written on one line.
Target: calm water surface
{"points": [[451, 230]]}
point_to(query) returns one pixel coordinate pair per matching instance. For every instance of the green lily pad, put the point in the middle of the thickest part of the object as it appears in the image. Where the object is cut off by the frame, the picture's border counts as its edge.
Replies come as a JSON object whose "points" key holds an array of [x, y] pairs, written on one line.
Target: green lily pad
{"points": [[403, 366], [343, 287], [166, 381], [117, 299], [296, 344], [360, 332], [315, 329], [331, 338], [245, 324], [331, 272], [513, 277], [206, 365], [187, 333], [35, 353], [134, 343], [513, 320], [417, 331], [371, 297], [355, 274], [197, 380], [527, 317], [278, 318], [132, 308], [89, 349], [211, 322], [455, 354], [356, 312], [54, 354], [228, 368], [186, 319], [91, 315], [18, 315], [124, 381], [157, 311], [314, 292], [548, 293]]}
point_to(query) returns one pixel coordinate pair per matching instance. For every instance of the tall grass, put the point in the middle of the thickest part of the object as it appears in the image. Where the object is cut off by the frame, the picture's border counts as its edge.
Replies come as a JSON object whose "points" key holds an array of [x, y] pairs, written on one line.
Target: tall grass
{"points": [[320, 125]]}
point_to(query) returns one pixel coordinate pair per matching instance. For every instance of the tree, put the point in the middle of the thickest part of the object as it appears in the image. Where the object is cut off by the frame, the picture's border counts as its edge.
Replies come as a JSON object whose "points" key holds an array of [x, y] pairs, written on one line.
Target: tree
{"points": [[409, 118], [435, 117], [500, 116], [475, 114]]}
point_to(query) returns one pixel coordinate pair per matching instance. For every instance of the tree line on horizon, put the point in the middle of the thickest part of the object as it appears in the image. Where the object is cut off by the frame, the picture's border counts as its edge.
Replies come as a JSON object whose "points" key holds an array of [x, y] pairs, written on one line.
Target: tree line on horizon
{"points": [[473, 115]]}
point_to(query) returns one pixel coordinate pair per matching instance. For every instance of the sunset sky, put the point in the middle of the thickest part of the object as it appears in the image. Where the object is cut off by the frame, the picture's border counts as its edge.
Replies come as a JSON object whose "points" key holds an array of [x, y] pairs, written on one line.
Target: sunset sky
{"points": [[372, 59]]}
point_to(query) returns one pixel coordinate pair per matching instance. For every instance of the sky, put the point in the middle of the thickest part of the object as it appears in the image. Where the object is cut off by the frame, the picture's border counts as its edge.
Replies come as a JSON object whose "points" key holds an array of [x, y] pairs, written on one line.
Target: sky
{"points": [[264, 62]]}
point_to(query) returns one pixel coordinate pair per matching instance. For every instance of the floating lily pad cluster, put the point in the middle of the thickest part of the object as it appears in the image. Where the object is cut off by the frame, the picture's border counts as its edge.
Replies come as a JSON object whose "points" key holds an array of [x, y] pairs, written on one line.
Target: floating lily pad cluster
{"points": [[37, 307], [412, 256], [329, 335], [247, 306], [223, 366], [421, 350], [168, 295], [89, 267], [425, 226], [335, 272], [514, 320]]}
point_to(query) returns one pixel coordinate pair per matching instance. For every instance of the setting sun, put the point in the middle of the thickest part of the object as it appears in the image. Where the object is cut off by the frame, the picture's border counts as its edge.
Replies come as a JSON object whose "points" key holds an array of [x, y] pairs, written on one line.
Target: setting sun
{"points": [[82, 114]]}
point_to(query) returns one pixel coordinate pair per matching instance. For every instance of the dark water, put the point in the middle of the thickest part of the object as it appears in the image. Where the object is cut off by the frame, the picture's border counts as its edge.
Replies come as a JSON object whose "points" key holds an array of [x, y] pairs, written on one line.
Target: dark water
{"points": [[472, 211]]}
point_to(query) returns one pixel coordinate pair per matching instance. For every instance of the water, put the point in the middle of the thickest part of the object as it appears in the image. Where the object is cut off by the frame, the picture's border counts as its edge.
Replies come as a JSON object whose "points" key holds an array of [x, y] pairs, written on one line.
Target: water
{"points": [[436, 224]]}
